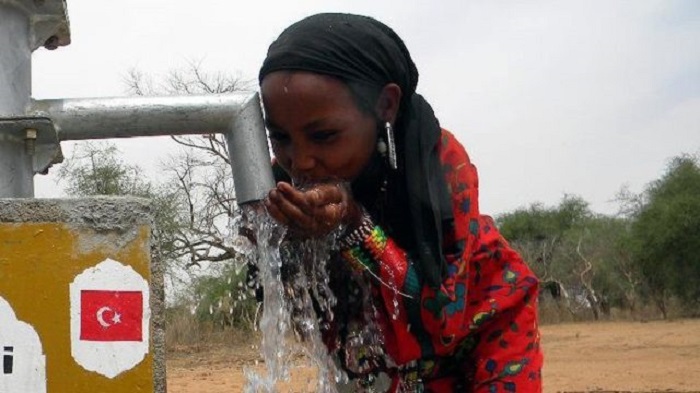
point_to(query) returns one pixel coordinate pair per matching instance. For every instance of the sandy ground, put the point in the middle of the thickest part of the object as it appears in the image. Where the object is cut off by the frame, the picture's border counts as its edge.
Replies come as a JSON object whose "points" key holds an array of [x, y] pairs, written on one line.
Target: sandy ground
{"points": [[586, 357]]}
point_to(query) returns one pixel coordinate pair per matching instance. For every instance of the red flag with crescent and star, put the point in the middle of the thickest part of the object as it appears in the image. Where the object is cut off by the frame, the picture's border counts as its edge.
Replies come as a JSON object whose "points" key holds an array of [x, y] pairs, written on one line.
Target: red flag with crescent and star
{"points": [[111, 315]]}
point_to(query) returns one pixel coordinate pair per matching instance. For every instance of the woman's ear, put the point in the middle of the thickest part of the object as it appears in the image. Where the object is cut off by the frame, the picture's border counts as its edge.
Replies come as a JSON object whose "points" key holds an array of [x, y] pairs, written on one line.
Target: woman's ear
{"points": [[387, 107]]}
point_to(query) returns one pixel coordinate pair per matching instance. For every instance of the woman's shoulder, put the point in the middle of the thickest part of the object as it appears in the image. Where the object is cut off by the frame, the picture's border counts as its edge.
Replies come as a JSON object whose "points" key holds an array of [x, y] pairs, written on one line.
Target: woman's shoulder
{"points": [[455, 159], [450, 147]]}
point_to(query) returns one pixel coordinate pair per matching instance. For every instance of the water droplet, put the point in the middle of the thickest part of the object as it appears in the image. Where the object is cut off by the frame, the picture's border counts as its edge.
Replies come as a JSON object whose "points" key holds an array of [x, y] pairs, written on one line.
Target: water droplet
{"points": [[243, 246]]}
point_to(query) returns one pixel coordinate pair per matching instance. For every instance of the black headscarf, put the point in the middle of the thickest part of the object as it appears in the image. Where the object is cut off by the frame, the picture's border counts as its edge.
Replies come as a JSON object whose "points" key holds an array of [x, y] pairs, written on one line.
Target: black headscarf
{"points": [[361, 49]]}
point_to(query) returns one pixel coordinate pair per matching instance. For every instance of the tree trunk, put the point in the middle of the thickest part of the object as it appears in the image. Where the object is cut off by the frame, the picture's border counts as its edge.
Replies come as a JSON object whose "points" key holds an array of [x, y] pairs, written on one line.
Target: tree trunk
{"points": [[660, 301]]}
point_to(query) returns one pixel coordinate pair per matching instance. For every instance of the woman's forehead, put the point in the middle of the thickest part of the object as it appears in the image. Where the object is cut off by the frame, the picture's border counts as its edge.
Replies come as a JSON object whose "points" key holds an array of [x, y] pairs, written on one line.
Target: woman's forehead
{"points": [[287, 82], [298, 99], [304, 92]]}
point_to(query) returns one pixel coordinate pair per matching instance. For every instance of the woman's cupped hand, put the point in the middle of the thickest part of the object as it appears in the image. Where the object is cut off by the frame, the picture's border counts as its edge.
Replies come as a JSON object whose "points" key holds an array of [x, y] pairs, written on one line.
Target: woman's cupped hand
{"points": [[315, 210]]}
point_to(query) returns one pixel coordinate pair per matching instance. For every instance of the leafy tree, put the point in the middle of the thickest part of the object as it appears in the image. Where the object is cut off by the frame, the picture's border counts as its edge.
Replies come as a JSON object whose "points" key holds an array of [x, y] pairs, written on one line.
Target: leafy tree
{"points": [[95, 168], [224, 300], [594, 251], [538, 231], [666, 234], [578, 255]]}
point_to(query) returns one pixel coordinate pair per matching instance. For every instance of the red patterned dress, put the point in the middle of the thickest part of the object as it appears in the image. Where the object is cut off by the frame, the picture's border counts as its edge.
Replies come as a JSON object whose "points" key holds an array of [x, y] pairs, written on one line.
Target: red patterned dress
{"points": [[479, 332]]}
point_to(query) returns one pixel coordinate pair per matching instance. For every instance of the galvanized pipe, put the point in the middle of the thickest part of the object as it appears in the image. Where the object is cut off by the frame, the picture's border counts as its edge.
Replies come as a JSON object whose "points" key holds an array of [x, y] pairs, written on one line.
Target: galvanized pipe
{"points": [[126, 117], [24, 25], [249, 153], [16, 170], [238, 116]]}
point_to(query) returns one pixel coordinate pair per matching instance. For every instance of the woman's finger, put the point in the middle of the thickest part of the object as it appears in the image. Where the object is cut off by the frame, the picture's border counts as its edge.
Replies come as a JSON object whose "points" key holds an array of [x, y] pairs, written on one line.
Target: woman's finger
{"points": [[275, 212], [273, 205], [293, 213], [301, 199], [315, 211]]}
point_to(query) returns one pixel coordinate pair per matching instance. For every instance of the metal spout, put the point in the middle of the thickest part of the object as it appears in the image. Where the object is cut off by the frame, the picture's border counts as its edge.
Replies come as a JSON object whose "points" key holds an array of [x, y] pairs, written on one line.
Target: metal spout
{"points": [[238, 116], [249, 153]]}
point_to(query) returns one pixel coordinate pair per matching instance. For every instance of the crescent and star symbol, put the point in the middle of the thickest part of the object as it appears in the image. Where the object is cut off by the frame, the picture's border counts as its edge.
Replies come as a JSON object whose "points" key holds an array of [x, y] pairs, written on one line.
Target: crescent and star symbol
{"points": [[116, 317]]}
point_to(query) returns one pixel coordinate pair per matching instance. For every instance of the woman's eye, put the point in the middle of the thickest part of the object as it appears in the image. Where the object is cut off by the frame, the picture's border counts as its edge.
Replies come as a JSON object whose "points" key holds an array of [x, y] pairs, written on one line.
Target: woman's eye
{"points": [[323, 136], [278, 137]]}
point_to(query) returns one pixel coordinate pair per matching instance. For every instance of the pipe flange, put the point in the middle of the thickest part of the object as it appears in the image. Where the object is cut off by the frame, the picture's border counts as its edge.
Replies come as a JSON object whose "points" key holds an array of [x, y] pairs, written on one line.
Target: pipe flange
{"points": [[39, 137], [48, 20]]}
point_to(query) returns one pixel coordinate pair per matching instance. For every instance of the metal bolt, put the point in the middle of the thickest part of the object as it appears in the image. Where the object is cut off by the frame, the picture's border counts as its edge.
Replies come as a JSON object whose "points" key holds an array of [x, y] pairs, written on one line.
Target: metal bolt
{"points": [[51, 43], [30, 141]]}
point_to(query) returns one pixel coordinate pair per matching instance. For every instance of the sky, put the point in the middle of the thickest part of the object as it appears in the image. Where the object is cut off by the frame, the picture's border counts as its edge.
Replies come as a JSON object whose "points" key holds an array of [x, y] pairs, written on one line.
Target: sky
{"points": [[548, 97]]}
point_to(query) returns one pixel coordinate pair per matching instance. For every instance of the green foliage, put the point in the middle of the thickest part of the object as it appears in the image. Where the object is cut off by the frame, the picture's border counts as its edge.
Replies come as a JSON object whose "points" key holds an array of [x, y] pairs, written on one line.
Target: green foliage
{"points": [[96, 169], [224, 300], [539, 232], [571, 248], [539, 223], [651, 255], [667, 232], [596, 255]]}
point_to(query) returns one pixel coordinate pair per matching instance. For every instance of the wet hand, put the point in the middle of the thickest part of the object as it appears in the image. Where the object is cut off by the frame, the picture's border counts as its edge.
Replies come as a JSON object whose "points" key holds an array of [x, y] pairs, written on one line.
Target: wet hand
{"points": [[315, 211]]}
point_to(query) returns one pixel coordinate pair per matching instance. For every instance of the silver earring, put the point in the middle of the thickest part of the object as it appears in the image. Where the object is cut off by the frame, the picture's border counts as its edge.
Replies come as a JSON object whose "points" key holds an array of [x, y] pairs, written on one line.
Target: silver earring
{"points": [[392, 145], [381, 147]]}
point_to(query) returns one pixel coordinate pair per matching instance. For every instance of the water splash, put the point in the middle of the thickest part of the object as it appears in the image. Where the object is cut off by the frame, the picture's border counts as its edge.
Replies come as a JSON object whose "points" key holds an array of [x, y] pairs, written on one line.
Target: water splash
{"points": [[289, 308], [275, 314], [298, 301], [310, 293]]}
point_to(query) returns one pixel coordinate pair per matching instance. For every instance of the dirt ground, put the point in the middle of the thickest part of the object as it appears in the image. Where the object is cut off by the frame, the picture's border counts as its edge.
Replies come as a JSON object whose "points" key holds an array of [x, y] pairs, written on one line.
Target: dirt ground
{"points": [[584, 357]]}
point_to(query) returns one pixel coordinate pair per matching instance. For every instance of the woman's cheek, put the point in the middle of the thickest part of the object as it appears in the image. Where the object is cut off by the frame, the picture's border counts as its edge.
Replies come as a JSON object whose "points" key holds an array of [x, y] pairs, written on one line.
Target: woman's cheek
{"points": [[280, 155]]}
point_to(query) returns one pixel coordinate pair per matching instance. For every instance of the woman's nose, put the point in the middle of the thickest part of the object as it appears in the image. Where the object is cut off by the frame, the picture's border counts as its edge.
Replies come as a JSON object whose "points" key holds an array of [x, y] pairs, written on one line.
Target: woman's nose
{"points": [[303, 160]]}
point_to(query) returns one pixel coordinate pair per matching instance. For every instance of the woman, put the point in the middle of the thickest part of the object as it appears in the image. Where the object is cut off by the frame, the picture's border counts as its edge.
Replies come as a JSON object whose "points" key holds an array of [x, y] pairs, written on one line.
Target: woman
{"points": [[454, 305]]}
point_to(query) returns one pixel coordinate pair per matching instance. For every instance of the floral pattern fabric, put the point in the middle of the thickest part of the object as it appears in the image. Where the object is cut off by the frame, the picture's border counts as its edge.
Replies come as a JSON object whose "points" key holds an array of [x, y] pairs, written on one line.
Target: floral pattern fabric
{"points": [[478, 332]]}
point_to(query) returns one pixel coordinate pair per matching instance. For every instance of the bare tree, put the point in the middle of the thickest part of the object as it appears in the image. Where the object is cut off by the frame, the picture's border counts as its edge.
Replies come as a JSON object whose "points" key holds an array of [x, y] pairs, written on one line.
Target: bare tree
{"points": [[633, 281], [201, 173], [585, 275], [200, 179]]}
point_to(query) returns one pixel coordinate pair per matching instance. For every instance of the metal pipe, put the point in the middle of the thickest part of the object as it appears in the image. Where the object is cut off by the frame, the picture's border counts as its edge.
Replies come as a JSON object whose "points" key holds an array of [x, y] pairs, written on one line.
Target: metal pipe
{"points": [[238, 116], [16, 170], [249, 153], [125, 117]]}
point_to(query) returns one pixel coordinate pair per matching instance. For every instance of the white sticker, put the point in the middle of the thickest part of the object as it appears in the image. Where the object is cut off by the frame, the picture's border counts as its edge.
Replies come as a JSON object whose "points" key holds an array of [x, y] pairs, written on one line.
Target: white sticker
{"points": [[109, 318], [22, 360]]}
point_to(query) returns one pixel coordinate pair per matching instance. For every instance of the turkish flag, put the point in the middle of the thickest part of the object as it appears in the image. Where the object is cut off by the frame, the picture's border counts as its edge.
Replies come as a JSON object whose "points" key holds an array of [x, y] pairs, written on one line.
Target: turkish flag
{"points": [[111, 315]]}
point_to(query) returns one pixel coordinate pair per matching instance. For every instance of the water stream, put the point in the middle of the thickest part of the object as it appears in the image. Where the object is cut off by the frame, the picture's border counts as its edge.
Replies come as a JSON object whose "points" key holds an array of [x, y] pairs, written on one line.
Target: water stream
{"points": [[289, 308]]}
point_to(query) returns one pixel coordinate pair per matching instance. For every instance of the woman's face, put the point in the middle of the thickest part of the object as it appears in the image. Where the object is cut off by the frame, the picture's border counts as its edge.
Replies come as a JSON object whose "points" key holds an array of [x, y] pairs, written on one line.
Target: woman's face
{"points": [[316, 129]]}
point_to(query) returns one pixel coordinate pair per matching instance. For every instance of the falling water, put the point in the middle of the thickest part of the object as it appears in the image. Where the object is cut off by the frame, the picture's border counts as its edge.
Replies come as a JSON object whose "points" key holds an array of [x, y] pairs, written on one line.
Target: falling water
{"points": [[289, 307], [275, 316]]}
